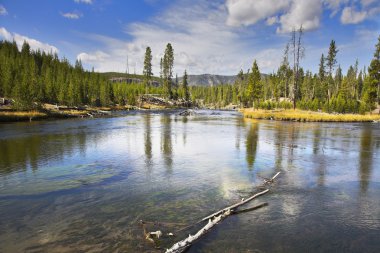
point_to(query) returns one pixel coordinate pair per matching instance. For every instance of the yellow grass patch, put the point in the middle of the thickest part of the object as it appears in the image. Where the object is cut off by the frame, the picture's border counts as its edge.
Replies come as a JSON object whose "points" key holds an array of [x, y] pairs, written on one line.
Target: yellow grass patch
{"points": [[20, 115], [307, 116]]}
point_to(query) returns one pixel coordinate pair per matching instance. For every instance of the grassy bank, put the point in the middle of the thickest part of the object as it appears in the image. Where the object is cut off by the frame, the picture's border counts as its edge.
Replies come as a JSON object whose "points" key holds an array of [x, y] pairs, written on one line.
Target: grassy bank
{"points": [[9, 116], [307, 116]]}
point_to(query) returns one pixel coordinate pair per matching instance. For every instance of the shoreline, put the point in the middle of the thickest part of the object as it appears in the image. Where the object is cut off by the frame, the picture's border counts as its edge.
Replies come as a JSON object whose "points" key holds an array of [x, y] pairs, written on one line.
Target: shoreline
{"points": [[9, 116], [307, 116]]}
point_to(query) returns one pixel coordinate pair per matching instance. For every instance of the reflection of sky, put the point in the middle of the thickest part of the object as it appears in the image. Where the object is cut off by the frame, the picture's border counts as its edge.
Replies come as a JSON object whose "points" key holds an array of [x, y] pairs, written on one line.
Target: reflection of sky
{"points": [[328, 169]]}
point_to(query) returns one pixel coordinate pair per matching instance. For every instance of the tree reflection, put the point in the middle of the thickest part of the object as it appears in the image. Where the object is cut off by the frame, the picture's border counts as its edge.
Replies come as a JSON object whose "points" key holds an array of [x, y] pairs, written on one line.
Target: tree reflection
{"points": [[166, 141], [365, 158], [319, 159], [293, 136], [239, 124], [184, 132], [148, 139], [31, 151], [251, 144], [279, 139]]}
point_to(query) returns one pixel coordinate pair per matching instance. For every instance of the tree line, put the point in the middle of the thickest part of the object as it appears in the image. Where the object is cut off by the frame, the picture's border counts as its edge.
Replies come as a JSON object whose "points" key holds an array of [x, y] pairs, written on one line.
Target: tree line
{"points": [[329, 90], [31, 78]]}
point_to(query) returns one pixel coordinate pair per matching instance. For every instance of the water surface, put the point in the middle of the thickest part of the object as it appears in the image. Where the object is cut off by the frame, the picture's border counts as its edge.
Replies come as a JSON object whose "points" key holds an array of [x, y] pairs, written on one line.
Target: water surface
{"points": [[83, 185]]}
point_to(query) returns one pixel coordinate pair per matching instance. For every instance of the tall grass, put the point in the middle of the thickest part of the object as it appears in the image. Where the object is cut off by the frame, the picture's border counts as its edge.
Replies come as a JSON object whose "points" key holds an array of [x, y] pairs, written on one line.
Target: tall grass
{"points": [[6, 116], [307, 116]]}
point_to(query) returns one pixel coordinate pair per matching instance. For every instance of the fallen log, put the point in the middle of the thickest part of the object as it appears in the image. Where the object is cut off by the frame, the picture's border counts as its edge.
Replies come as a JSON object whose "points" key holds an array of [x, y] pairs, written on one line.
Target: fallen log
{"points": [[249, 209], [181, 246], [266, 181], [245, 200], [236, 205], [216, 217]]}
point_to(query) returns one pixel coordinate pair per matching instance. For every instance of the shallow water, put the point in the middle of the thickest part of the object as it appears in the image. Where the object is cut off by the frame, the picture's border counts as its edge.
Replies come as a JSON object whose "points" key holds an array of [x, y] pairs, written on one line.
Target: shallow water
{"points": [[83, 185]]}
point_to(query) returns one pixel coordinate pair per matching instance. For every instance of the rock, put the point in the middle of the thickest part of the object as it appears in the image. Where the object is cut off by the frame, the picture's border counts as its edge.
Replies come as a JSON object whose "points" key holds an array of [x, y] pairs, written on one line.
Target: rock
{"points": [[188, 112]]}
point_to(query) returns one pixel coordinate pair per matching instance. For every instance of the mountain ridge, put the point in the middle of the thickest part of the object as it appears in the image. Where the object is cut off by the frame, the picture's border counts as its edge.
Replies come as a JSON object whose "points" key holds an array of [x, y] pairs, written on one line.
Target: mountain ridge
{"points": [[193, 80]]}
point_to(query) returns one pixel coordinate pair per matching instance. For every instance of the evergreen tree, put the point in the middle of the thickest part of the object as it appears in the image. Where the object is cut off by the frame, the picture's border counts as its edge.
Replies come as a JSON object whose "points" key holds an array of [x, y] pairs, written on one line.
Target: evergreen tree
{"points": [[331, 62], [239, 82], [298, 53], [284, 74], [322, 68], [185, 87], [168, 62], [147, 71], [360, 86], [254, 88], [374, 70], [372, 82]]}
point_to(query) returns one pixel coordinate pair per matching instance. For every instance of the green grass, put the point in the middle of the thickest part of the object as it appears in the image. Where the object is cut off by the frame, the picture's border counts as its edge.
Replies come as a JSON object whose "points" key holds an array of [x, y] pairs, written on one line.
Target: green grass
{"points": [[307, 116]]}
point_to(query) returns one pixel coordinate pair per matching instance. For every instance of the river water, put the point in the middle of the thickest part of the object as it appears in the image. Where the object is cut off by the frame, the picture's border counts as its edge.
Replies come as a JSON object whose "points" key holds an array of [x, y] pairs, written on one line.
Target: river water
{"points": [[83, 185]]}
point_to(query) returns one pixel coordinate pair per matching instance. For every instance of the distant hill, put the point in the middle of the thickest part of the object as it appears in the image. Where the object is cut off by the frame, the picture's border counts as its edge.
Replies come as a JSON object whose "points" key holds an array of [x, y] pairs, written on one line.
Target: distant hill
{"points": [[209, 80], [194, 80]]}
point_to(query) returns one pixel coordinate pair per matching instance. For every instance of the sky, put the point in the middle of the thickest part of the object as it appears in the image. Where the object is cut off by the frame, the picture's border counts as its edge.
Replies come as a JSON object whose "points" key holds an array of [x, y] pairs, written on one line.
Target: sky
{"points": [[214, 37]]}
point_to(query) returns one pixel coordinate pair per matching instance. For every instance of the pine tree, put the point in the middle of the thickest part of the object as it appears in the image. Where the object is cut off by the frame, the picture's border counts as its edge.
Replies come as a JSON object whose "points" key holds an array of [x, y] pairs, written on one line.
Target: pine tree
{"points": [[371, 86], [148, 67], [374, 70], [239, 82], [331, 62], [254, 88], [298, 53], [284, 74], [168, 63], [186, 87], [322, 68]]}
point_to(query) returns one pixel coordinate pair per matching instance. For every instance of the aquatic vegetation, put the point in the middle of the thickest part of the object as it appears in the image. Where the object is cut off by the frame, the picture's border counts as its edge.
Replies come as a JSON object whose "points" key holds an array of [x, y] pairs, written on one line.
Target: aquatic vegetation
{"points": [[51, 179]]}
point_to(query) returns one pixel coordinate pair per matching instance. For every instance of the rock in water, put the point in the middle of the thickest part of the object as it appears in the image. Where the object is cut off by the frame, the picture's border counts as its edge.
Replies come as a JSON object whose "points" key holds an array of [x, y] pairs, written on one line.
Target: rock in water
{"points": [[187, 113]]}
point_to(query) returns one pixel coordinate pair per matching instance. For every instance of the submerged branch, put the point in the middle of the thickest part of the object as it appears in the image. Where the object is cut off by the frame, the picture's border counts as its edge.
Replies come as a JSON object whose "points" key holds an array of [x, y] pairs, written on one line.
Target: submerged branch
{"points": [[181, 246], [236, 205], [216, 217]]}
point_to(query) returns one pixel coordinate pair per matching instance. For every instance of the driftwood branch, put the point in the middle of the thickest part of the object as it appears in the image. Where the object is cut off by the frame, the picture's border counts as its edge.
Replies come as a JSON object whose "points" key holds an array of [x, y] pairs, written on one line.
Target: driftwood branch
{"points": [[184, 244], [236, 205], [244, 200], [216, 217], [249, 209]]}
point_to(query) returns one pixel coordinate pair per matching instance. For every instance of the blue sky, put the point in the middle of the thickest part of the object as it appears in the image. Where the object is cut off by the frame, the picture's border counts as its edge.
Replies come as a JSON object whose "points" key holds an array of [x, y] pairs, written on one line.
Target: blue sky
{"points": [[216, 37]]}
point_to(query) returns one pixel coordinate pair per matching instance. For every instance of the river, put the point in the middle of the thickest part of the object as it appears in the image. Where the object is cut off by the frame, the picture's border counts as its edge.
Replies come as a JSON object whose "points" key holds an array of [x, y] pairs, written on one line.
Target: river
{"points": [[83, 185]]}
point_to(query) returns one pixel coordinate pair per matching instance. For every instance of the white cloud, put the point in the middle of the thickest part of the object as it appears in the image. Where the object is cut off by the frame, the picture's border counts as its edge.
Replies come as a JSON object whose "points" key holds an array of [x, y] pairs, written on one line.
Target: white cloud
{"points": [[351, 16], [83, 1], [19, 39], [271, 20], [302, 12], [3, 11], [247, 12], [212, 37], [71, 15], [287, 13], [335, 5], [202, 42], [97, 56]]}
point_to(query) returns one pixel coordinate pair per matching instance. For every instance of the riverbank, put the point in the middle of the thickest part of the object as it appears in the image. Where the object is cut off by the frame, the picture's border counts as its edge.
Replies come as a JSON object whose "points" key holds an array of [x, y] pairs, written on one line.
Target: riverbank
{"points": [[10, 116], [49, 111], [53, 112], [307, 116]]}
